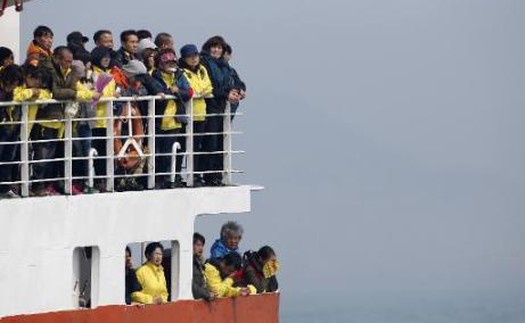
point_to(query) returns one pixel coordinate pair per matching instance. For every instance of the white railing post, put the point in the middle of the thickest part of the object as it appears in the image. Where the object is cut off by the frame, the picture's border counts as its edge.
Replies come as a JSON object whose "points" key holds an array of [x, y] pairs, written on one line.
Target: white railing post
{"points": [[227, 146], [91, 168], [24, 151], [151, 143], [189, 144], [68, 151], [174, 148], [110, 163]]}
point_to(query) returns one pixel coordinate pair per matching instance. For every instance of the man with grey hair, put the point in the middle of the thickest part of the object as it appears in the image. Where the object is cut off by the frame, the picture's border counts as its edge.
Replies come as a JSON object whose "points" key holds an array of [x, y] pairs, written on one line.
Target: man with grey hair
{"points": [[231, 235]]}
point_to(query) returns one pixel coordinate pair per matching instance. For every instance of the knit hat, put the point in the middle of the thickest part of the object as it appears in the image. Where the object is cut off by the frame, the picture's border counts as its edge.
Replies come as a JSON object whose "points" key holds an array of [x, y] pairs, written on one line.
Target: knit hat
{"points": [[188, 50], [144, 44], [135, 67], [98, 53]]}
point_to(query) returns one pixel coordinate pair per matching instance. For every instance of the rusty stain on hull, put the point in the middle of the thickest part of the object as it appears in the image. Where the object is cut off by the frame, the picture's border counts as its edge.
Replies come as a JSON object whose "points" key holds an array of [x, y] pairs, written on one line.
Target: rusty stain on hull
{"points": [[252, 309]]}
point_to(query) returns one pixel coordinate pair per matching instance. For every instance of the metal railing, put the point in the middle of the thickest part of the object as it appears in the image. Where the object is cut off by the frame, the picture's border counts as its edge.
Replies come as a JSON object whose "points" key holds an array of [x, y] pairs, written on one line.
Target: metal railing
{"points": [[144, 146]]}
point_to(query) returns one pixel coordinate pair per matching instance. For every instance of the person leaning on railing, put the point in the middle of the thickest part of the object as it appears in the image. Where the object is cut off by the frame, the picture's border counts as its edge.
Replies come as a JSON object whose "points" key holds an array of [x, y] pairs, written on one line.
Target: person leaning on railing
{"points": [[260, 269], [172, 120], [219, 274], [200, 82], [100, 63], [10, 78], [50, 124], [223, 91]]}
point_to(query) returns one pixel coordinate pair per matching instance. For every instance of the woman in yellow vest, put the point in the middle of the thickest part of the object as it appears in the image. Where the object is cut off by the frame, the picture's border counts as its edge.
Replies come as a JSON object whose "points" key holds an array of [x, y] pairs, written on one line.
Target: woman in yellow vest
{"points": [[200, 82], [151, 277]]}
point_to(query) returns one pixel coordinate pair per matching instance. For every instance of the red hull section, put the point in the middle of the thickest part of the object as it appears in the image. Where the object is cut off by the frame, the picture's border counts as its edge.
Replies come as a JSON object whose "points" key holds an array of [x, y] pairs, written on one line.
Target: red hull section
{"points": [[252, 309]]}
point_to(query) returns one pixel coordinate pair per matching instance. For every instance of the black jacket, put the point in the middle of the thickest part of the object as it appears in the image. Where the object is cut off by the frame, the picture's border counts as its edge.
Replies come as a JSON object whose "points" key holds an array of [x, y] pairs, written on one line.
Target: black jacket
{"points": [[132, 284], [221, 79], [198, 283]]}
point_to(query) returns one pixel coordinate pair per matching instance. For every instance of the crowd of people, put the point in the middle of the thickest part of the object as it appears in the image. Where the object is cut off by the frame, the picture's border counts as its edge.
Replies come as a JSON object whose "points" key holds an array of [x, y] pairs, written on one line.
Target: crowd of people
{"points": [[143, 65], [225, 274]]}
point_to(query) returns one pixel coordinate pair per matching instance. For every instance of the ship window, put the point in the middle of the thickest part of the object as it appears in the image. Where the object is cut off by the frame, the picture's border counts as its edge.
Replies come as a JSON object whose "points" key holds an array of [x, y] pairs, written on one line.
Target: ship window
{"points": [[85, 276], [170, 263]]}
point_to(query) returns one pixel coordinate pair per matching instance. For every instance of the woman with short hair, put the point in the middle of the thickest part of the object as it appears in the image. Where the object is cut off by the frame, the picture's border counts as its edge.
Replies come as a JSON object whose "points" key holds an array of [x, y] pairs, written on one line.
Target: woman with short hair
{"points": [[231, 235], [151, 277]]}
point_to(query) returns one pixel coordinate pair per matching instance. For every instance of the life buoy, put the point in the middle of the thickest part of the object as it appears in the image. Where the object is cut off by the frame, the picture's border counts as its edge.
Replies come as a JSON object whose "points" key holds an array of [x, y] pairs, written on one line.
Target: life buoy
{"points": [[128, 151]]}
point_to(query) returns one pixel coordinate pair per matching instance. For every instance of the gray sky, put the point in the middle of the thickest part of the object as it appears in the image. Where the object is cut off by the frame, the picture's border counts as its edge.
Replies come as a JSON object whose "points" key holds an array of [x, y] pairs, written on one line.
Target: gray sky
{"points": [[388, 134]]}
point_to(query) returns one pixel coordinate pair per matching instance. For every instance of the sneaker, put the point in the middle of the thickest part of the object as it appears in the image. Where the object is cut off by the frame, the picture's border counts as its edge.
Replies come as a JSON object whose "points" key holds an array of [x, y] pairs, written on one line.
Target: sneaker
{"points": [[133, 185], [179, 182], [198, 181], [76, 190]]}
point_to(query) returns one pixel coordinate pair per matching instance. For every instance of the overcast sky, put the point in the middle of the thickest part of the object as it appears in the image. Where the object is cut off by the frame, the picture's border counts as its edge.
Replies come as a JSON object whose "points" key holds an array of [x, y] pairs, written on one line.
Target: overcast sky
{"points": [[388, 134]]}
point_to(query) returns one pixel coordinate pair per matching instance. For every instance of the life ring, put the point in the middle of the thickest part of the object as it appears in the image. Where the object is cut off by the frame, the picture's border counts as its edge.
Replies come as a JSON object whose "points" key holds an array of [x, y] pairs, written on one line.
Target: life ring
{"points": [[128, 151]]}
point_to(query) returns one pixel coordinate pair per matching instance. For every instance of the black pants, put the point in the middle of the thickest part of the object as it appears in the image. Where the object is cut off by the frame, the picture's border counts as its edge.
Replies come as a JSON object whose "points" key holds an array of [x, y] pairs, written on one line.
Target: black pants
{"points": [[198, 145], [213, 161], [47, 150], [164, 145], [8, 153], [99, 143]]}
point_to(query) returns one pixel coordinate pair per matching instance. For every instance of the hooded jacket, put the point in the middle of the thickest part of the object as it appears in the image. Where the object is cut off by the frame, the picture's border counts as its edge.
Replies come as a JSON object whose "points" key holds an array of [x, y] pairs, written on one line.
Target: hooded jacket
{"points": [[222, 82], [219, 249]]}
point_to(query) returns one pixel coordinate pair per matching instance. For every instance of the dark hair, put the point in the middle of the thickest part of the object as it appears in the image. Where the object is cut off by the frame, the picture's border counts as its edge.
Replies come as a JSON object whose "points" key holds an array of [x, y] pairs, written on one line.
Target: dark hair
{"points": [[5, 53], [212, 42], [42, 31], [98, 53], [228, 48], [198, 237], [233, 259], [61, 50], [150, 248], [128, 250], [162, 52], [161, 38], [126, 33], [265, 253], [38, 73], [11, 74], [143, 33], [98, 34]]}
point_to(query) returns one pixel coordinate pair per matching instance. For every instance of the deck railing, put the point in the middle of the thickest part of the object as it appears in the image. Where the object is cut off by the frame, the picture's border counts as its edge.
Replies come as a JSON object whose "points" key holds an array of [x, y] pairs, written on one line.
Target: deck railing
{"points": [[145, 147]]}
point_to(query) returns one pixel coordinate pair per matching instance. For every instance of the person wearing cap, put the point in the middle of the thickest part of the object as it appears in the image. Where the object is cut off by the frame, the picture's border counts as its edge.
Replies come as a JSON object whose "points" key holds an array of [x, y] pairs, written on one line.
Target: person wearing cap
{"points": [[76, 44], [39, 50], [173, 121], [6, 57], [200, 82], [223, 92], [128, 51], [147, 52]]}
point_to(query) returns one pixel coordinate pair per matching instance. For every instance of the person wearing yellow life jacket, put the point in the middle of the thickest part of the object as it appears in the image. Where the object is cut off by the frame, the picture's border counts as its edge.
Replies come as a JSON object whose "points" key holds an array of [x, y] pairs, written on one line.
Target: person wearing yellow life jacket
{"points": [[10, 78], [100, 62], [219, 276], [200, 82], [50, 124], [150, 277], [172, 120], [35, 87]]}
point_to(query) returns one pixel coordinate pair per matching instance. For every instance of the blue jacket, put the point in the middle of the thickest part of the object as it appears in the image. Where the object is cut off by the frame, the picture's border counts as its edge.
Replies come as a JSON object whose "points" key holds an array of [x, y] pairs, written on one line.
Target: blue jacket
{"points": [[221, 79], [219, 249]]}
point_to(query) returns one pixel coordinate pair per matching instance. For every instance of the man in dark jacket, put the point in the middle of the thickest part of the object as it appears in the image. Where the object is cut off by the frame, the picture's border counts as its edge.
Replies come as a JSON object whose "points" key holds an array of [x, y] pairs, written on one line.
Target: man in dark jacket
{"points": [[223, 91], [130, 41], [238, 84], [65, 86], [132, 284], [198, 284]]}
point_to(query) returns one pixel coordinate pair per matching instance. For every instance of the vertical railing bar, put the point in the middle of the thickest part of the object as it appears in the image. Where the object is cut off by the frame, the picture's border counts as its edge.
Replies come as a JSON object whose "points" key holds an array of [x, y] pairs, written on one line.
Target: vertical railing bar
{"points": [[189, 144], [68, 152], [151, 143], [227, 137], [110, 168], [24, 151]]}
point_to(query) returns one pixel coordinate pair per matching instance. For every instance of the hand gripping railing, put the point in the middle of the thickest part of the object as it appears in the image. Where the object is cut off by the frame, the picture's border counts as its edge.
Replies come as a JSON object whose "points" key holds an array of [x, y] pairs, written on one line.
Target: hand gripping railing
{"points": [[26, 145]]}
